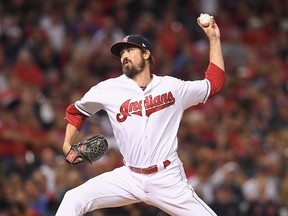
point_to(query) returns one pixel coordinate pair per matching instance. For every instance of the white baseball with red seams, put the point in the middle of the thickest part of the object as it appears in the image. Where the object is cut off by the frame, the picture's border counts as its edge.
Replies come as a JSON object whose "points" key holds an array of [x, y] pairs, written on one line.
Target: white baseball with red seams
{"points": [[205, 19]]}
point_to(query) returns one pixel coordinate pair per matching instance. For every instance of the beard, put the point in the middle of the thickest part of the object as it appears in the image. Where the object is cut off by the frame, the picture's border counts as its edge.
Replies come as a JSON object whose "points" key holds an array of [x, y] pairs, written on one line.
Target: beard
{"points": [[131, 70]]}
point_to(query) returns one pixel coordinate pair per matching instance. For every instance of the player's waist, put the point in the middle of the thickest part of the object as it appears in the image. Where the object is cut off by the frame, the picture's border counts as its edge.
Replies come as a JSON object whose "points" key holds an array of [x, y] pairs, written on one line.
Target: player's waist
{"points": [[152, 168]]}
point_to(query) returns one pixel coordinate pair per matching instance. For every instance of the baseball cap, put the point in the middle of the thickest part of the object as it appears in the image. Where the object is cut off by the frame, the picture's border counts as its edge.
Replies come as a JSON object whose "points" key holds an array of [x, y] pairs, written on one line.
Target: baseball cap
{"points": [[135, 40]]}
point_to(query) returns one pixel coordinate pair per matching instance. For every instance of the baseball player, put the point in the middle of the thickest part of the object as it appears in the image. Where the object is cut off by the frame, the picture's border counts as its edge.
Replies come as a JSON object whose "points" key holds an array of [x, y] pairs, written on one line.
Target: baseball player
{"points": [[145, 111]]}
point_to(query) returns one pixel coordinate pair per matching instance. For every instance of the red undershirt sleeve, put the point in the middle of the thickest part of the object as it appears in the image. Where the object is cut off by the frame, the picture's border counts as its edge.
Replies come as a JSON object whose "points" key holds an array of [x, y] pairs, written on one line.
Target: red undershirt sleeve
{"points": [[75, 117], [216, 76]]}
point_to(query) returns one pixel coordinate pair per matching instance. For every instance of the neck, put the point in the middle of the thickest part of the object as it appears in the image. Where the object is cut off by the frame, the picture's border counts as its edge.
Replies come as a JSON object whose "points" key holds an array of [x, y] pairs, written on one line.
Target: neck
{"points": [[143, 78]]}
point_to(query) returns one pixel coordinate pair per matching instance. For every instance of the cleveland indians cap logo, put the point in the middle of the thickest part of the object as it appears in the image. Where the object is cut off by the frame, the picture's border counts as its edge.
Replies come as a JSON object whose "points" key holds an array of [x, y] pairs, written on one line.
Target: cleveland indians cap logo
{"points": [[125, 39], [151, 105]]}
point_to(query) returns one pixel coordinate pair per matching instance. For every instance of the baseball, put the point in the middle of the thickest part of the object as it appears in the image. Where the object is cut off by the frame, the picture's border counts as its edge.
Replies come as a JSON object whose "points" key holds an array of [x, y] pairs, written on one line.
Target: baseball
{"points": [[205, 19]]}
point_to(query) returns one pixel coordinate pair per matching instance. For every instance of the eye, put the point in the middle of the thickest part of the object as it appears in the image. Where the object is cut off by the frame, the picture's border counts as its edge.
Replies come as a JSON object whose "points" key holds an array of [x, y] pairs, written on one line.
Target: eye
{"points": [[121, 53], [125, 50]]}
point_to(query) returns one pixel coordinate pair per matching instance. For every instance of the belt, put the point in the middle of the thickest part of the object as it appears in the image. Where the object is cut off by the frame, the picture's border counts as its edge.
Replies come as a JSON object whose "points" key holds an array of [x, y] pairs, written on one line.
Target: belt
{"points": [[149, 170]]}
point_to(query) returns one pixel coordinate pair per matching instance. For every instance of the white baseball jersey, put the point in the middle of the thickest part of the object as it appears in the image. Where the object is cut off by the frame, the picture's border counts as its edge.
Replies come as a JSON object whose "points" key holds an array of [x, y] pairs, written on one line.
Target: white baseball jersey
{"points": [[145, 123]]}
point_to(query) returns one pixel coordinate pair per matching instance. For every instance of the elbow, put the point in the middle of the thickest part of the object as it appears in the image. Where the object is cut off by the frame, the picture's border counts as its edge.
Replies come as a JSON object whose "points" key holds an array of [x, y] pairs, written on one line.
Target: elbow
{"points": [[75, 117], [216, 77]]}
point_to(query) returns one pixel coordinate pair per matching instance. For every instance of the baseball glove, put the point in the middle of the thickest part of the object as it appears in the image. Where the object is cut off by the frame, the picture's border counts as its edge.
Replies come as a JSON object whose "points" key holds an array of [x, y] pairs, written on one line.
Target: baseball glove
{"points": [[88, 150]]}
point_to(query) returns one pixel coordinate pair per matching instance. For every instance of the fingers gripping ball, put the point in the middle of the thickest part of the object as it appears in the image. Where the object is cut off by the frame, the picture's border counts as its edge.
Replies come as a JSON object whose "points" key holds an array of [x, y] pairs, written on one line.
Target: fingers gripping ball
{"points": [[205, 19], [88, 150]]}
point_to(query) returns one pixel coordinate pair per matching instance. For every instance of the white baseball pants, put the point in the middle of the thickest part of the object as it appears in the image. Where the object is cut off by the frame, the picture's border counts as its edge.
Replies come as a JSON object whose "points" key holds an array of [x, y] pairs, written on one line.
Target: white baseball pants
{"points": [[167, 190]]}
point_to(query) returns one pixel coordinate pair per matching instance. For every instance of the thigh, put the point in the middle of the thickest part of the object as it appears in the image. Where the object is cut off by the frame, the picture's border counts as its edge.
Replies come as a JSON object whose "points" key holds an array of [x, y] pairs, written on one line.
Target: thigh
{"points": [[110, 189], [170, 192]]}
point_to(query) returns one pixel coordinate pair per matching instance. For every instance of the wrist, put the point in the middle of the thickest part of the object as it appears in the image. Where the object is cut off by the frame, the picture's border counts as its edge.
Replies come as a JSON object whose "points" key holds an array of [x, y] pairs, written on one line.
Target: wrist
{"points": [[66, 148], [214, 40]]}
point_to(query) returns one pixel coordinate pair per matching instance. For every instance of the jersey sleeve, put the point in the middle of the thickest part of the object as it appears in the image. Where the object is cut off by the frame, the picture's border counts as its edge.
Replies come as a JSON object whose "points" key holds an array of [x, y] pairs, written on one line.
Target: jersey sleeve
{"points": [[193, 92], [75, 117], [216, 77], [92, 101]]}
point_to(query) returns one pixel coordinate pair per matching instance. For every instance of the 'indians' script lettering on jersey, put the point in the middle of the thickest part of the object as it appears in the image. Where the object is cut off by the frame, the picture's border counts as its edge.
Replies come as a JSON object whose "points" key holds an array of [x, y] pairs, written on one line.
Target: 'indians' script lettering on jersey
{"points": [[151, 105]]}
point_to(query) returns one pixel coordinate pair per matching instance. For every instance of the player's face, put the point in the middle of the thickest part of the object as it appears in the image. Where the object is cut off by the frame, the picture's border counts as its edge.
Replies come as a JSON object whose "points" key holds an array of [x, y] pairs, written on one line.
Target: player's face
{"points": [[132, 60]]}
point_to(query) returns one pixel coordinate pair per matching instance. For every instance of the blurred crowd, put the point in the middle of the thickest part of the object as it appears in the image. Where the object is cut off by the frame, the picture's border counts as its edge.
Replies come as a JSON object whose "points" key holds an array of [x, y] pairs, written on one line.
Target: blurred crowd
{"points": [[234, 147]]}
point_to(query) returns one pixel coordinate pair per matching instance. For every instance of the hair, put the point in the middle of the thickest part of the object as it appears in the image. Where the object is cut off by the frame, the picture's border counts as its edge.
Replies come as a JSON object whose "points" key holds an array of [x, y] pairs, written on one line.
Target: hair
{"points": [[150, 59]]}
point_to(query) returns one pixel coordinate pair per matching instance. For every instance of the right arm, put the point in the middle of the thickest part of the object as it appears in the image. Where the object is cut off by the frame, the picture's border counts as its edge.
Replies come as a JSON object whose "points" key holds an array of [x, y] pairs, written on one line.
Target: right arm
{"points": [[215, 72], [215, 51]]}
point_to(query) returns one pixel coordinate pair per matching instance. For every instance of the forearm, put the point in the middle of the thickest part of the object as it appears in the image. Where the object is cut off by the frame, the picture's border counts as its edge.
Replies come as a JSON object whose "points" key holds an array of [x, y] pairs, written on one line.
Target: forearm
{"points": [[70, 137], [213, 33], [75, 121], [215, 53]]}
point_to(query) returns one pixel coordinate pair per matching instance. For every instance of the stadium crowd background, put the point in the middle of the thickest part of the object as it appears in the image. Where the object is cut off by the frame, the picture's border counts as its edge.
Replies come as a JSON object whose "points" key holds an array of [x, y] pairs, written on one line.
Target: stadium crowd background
{"points": [[234, 148]]}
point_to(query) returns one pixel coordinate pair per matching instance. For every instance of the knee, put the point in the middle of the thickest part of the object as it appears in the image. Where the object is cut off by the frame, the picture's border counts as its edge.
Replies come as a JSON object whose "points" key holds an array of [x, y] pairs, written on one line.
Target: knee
{"points": [[71, 204], [70, 196], [74, 201]]}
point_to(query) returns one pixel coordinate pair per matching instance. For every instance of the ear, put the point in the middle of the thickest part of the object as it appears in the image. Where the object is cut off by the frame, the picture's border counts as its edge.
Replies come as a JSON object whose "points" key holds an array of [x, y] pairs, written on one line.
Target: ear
{"points": [[146, 54]]}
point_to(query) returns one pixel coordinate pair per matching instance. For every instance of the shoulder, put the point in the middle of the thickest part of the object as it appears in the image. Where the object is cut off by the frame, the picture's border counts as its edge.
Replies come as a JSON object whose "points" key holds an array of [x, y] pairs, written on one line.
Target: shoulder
{"points": [[165, 78], [110, 82], [120, 78], [176, 80]]}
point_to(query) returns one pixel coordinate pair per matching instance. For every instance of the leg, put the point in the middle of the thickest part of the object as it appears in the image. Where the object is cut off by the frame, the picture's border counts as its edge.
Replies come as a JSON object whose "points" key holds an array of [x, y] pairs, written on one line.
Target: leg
{"points": [[169, 191], [109, 189]]}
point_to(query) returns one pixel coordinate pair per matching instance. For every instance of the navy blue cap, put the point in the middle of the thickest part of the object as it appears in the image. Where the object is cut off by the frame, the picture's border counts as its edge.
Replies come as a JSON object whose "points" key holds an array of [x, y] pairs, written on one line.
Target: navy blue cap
{"points": [[135, 40]]}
